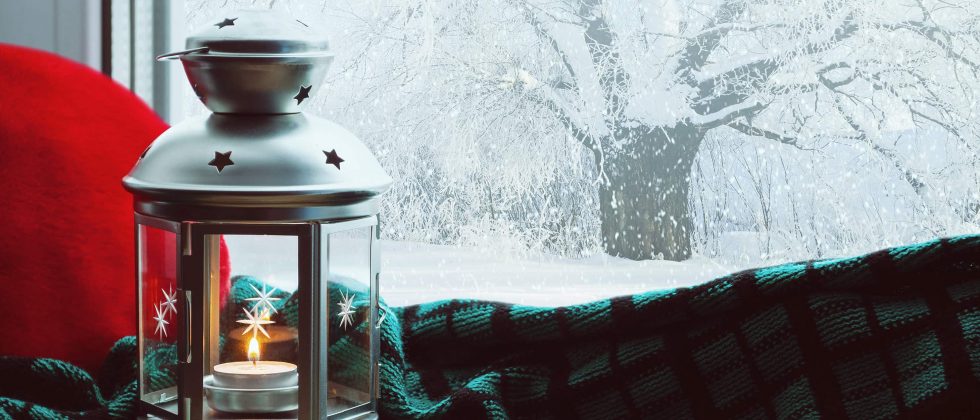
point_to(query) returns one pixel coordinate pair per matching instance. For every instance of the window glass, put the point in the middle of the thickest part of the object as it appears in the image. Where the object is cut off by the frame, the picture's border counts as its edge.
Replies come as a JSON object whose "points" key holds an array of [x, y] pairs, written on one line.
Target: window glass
{"points": [[553, 152]]}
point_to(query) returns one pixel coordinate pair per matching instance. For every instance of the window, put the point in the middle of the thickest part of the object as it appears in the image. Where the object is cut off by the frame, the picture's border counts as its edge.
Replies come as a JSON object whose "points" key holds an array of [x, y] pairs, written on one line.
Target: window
{"points": [[553, 152], [139, 30]]}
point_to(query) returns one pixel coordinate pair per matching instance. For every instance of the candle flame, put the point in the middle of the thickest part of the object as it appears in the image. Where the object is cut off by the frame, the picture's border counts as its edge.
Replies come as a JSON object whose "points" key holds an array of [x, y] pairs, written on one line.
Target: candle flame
{"points": [[253, 351]]}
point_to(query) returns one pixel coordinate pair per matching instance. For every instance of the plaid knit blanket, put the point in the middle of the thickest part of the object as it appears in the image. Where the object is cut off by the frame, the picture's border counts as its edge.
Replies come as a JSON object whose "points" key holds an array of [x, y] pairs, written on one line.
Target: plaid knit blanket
{"points": [[895, 333]]}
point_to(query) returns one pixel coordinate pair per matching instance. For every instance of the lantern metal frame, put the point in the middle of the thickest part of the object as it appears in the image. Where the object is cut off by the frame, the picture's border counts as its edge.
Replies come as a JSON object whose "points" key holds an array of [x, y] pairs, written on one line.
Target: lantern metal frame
{"points": [[198, 281]]}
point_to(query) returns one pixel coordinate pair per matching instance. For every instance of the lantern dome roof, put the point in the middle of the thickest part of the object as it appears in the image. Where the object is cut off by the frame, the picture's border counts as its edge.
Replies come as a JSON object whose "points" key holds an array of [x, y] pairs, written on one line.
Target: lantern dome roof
{"points": [[257, 167]]}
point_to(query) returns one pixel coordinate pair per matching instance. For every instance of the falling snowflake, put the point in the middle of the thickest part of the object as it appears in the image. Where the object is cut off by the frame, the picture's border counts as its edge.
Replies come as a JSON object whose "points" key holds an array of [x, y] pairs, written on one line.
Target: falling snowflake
{"points": [[346, 310], [264, 298], [169, 301], [255, 323], [161, 322]]}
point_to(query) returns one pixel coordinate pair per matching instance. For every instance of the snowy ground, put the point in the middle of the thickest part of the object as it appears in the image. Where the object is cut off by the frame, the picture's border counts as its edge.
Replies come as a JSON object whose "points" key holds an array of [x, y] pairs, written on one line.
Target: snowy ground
{"points": [[415, 273]]}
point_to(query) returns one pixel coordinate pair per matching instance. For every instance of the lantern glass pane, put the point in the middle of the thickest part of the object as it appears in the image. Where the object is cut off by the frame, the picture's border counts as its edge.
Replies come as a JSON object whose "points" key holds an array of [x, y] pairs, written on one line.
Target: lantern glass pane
{"points": [[158, 305], [254, 324], [350, 370]]}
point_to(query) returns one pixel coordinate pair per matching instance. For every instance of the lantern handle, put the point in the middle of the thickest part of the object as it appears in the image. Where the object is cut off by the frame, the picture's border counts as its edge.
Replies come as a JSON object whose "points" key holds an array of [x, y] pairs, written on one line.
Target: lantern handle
{"points": [[177, 54]]}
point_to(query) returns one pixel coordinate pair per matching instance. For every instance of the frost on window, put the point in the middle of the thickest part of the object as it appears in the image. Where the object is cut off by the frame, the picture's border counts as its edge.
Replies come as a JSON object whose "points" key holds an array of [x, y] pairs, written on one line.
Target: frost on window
{"points": [[534, 141]]}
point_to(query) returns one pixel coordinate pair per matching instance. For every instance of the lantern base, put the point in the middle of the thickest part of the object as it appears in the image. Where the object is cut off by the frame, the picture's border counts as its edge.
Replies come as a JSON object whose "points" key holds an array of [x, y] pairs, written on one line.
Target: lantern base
{"points": [[229, 400], [169, 410]]}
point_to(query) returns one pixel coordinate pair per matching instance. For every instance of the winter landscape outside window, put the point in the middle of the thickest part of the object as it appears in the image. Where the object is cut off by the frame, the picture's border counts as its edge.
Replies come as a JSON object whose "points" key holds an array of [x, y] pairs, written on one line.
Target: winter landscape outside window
{"points": [[558, 151]]}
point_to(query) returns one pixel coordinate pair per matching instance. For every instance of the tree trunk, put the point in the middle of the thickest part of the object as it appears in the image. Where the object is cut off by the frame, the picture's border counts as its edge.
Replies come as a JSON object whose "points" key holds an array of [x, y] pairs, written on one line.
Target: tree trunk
{"points": [[644, 197]]}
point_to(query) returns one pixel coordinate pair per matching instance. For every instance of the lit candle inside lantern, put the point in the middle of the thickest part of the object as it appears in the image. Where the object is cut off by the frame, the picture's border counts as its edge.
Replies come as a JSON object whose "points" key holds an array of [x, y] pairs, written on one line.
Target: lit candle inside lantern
{"points": [[255, 373], [253, 351]]}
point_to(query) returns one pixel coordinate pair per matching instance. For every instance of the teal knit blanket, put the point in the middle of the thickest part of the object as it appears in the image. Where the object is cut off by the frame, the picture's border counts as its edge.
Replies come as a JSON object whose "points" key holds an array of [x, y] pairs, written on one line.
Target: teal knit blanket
{"points": [[895, 333]]}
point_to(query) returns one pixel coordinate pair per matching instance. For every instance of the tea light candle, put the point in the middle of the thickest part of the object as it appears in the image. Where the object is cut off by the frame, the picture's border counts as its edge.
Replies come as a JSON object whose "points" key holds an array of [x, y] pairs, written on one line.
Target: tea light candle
{"points": [[255, 373]]}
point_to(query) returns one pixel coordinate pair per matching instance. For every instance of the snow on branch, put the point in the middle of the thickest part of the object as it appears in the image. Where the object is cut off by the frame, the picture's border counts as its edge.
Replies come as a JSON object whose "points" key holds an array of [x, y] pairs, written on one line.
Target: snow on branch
{"points": [[724, 28], [701, 46], [562, 116], [727, 115], [861, 134], [614, 80], [771, 135], [739, 83], [941, 37], [543, 33]]}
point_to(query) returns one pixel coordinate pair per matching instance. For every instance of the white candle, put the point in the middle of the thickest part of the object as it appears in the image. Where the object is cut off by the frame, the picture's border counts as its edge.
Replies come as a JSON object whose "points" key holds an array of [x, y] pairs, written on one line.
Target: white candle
{"points": [[255, 374]]}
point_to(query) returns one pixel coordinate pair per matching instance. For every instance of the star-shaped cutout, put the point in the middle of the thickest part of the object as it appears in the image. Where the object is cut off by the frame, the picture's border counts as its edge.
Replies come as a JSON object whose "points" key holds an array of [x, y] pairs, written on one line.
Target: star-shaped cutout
{"points": [[226, 22], [255, 323], [221, 160], [169, 301], [264, 298], [161, 322], [304, 92], [346, 313], [333, 158]]}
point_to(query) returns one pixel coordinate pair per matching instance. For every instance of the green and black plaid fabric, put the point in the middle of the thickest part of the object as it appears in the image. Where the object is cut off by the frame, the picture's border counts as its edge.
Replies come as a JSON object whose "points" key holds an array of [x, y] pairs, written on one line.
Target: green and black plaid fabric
{"points": [[895, 333], [892, 333], [53, 389]]}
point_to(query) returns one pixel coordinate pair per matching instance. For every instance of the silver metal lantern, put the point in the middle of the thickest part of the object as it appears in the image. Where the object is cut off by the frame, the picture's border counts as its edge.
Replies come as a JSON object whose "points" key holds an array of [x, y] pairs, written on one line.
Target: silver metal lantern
{"points": [[295, 198]]}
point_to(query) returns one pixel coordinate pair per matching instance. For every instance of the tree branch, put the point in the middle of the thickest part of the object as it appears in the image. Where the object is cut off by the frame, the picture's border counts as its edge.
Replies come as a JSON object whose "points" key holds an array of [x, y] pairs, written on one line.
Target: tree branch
{"points": [[701, 46], [613, 79], [727, 115], [910, 177], [758, 132], [736, 85], [582, 136], [938, 36], [540, 30], [725, 28], [718, 93]]}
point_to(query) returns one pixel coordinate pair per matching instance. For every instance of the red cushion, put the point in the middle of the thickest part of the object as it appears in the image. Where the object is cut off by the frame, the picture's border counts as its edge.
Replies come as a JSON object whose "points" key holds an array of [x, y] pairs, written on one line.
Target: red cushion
{"points": [[67, 137]]}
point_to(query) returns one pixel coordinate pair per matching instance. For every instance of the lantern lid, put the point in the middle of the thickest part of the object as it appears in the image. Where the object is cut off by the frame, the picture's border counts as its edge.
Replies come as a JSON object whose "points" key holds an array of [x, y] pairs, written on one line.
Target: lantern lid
{"points": [[255, 62], [249, 33], [290, 167]]}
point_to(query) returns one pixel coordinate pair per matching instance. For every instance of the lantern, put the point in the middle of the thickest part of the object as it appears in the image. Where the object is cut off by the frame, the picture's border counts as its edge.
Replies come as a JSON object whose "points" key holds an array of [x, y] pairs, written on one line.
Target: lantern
{"points": [[295, 198]]}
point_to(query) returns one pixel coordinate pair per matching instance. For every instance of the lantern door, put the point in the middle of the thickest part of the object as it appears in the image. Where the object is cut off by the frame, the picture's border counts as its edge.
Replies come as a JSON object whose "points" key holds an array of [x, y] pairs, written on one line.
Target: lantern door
{"points": [[160, 312], [248, 355]]}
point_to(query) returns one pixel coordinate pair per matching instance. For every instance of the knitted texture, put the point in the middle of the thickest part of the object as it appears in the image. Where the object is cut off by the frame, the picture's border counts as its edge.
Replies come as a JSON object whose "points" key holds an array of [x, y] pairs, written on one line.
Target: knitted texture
{"points": [[895, 333], [891, 333]]}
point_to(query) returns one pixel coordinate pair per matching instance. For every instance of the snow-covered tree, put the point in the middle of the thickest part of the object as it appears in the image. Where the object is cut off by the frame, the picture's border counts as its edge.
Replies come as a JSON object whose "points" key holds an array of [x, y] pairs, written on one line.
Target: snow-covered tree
{"points": [[640, 85]]}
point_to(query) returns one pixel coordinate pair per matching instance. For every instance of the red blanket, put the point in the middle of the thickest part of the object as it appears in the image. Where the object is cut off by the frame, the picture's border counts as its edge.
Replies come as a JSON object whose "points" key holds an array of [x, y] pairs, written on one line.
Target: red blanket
{"points": [[67, 137]]}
